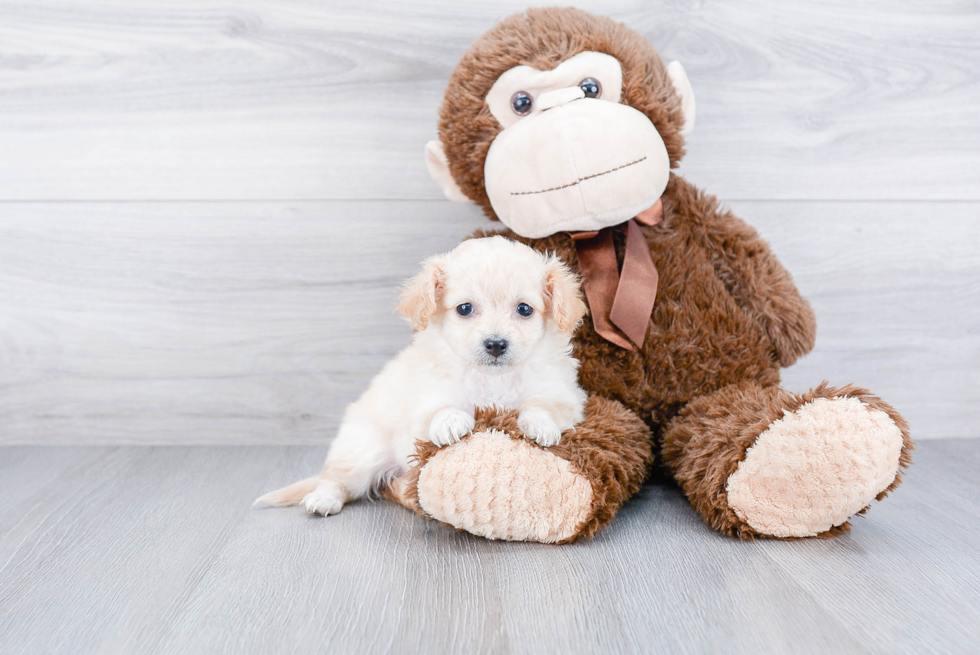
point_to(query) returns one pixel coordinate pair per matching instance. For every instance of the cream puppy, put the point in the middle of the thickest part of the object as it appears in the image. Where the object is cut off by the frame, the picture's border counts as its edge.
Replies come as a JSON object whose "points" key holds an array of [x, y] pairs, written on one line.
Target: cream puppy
{"points": [[492, 322]]}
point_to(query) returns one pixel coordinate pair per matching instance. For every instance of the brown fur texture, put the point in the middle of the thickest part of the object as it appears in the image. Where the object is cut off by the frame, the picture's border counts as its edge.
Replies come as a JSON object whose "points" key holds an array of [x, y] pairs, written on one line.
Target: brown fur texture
{"points": [[727, 314], [611, 448]]}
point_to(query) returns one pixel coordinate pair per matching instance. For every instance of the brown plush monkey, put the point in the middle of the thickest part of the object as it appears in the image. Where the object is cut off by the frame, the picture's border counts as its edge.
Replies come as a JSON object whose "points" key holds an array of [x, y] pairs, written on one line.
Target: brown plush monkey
{"points": [[564, 126]]}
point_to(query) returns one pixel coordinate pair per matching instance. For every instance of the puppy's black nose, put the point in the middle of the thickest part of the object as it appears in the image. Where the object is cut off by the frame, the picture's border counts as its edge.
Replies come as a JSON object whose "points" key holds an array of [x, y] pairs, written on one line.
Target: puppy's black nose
{"points": [[495, 346]]}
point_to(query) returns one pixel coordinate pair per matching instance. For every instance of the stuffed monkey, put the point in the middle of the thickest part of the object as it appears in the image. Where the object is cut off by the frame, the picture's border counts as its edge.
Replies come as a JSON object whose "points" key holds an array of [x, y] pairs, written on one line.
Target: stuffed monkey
{"points": [[565, 126]]}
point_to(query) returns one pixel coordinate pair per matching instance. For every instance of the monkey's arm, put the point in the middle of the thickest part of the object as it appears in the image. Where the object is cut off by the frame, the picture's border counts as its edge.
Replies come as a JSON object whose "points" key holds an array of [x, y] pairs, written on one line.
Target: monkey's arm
{"points": [[749, 269]]}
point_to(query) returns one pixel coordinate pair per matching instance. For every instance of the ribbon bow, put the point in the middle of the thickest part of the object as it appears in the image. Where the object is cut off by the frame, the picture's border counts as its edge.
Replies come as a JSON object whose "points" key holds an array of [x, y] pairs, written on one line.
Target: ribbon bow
{"points": [[621, 303]]}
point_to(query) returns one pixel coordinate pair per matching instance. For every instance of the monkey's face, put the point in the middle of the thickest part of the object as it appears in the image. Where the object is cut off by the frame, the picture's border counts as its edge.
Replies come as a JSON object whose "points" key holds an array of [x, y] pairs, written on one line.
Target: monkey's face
{"points": [[570, 156], [557, 120]]}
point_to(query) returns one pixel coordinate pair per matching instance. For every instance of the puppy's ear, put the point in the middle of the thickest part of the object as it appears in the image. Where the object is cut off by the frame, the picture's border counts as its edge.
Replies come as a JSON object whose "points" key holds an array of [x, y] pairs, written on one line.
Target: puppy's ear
{"points": [[422, 294], [563, 294]]}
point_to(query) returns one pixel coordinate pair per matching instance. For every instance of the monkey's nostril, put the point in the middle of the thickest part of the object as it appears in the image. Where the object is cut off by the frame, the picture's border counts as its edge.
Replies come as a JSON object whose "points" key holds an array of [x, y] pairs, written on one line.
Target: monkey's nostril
{"points": [[495, 346]]}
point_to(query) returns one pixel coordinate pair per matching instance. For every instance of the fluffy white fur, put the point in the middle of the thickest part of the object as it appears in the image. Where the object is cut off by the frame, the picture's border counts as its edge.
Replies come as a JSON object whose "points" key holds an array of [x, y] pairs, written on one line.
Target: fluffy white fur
{"points": [[431, 389]]}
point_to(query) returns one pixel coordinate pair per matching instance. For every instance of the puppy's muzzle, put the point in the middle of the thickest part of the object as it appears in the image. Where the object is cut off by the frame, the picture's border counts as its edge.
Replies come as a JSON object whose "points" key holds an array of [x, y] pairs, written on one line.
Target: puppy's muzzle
{"points": [[495, 346]]}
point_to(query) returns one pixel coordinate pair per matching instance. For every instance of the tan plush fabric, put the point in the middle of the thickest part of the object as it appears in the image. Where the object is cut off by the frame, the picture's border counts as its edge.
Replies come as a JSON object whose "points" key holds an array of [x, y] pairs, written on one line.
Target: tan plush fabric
{"points": [[814, 468], [542, 177], [490, 484]]}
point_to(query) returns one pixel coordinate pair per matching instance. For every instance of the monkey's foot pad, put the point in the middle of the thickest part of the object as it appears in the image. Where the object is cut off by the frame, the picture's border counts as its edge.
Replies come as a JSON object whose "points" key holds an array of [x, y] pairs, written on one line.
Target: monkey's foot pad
{"points": [[501, 488]]}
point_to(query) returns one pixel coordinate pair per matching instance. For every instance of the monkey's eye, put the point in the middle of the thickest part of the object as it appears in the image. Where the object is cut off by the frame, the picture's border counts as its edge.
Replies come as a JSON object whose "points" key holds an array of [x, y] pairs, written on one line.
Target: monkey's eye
{"points": [[525, 309], [464, 309], [521, 103], [590, 87]]}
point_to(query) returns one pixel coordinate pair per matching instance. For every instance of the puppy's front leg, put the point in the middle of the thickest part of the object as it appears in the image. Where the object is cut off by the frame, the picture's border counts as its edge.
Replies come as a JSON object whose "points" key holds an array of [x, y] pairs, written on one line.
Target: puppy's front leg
{"points": [[539, 420], [449, 425]]}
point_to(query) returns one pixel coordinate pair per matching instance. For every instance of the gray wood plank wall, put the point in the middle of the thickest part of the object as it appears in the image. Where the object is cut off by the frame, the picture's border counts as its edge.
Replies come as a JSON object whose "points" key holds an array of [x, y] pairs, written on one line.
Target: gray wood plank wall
{"points": [[205, 208]]}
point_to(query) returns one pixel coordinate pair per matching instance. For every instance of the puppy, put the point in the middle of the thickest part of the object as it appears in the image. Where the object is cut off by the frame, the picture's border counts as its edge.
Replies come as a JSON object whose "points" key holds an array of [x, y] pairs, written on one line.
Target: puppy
{"points": [[492, 322]]}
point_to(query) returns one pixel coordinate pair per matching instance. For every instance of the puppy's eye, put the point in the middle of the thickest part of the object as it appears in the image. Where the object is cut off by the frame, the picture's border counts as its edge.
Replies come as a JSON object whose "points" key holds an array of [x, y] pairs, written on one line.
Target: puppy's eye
{"points": [[590, 87], [525, 309], [521, 102], [464, 309]]}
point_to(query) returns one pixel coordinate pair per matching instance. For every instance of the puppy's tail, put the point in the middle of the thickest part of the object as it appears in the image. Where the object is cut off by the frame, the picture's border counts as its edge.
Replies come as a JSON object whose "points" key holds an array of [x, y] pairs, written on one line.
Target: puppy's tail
{"points": [[291, 495]]}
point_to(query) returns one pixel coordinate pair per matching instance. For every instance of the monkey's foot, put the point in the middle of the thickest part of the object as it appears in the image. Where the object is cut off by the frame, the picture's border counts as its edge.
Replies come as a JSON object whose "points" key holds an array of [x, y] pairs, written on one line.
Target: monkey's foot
{"points": [[502, 488], [817, 466], [498, 484]]}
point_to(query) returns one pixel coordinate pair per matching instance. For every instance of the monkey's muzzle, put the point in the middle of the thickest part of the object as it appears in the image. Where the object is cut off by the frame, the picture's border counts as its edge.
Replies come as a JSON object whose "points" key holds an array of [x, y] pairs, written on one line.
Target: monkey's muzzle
{"points": [[580, 166]]}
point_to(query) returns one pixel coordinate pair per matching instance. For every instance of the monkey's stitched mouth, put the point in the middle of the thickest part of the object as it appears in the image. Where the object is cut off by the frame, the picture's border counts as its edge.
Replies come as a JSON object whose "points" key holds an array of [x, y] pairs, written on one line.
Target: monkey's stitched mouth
{"points": [[579, 180]]}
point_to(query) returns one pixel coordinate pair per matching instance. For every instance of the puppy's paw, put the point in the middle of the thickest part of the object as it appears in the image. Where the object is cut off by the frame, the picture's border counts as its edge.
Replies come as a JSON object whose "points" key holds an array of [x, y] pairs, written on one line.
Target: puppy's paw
{"points": [[537, 425], [323, 500], [449, 425]]}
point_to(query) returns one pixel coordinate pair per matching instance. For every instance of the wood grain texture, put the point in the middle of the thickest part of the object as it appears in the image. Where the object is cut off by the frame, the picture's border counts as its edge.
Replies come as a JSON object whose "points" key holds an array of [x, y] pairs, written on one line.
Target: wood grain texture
{"points": [[154, 550], [251, 323], [202, 323], [334, 100], [896, 290]]}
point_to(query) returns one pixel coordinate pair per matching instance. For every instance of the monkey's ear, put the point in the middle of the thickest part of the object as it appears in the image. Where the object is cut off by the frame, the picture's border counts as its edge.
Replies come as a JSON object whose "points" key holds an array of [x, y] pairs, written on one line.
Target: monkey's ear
{"points": [[683, 87], [438, 165]]}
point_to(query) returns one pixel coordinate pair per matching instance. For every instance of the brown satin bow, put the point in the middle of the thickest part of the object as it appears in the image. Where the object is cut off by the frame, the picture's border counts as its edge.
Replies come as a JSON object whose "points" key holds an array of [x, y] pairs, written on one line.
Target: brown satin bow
{"points": [[621, 303]]}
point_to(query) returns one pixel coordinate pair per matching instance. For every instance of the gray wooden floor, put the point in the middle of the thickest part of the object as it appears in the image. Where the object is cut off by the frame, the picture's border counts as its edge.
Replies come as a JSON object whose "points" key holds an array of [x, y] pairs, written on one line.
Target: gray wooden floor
{"points": [[155, 550]]}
